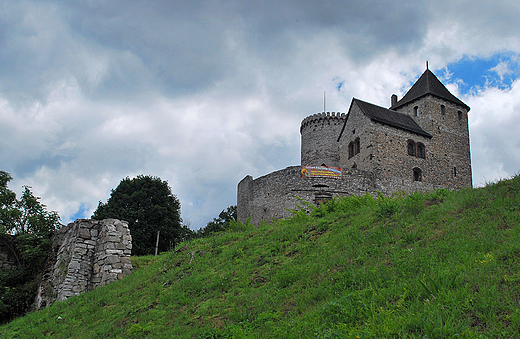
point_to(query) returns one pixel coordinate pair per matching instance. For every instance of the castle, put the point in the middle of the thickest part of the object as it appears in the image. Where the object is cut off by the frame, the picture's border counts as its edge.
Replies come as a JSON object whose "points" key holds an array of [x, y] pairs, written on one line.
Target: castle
{"points": [[419, 144]]}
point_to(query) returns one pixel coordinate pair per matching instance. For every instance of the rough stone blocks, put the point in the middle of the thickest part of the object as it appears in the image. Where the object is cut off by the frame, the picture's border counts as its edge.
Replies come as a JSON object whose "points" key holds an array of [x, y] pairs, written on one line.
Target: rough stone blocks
{"points": [[90, 253]]}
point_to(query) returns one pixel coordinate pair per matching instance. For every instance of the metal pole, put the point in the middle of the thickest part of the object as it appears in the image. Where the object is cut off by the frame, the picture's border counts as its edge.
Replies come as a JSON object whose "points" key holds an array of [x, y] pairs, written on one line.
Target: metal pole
{"points": [[157, 243], [324, 102]]}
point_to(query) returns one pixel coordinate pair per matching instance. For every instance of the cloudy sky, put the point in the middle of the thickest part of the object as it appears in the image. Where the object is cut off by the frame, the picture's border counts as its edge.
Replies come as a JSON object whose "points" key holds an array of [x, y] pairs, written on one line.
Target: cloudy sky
{"points": [[203, 93]]}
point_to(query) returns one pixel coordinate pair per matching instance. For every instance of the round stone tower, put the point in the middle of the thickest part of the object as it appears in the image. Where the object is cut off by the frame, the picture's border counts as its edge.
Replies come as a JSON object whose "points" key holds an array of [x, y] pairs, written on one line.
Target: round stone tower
{"points": [[320, 134]]}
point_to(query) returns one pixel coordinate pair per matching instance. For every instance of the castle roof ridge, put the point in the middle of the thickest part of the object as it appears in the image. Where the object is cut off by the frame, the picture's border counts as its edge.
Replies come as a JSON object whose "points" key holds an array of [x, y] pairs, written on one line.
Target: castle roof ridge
{"points": [[390, 117]]}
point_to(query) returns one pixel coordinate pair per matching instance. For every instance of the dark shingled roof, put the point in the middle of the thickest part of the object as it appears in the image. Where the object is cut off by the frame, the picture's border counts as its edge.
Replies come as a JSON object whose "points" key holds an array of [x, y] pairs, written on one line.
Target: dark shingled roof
{"points": [[428, 84], [389, 117]]}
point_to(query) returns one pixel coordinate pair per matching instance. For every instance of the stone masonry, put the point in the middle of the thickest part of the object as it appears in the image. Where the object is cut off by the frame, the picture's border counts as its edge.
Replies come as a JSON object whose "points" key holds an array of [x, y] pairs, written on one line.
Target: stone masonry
{"points": [[419, 144], [274, 195], [86, 254]]}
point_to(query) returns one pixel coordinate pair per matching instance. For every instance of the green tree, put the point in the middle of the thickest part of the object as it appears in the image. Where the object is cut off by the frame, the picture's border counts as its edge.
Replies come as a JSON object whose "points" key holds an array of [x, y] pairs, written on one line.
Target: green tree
{"points": [[8, 211], [26, 229], [24, 216], [148, 205], [221, 223]]}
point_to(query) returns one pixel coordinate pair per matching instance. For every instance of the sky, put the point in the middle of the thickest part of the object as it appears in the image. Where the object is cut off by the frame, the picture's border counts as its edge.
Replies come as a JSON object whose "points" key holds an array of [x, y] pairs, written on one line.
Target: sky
{"points": [[203, 93]]}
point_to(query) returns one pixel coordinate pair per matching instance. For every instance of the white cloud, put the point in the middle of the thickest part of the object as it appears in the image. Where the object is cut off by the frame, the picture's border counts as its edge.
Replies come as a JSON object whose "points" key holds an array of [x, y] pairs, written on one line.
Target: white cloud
{"points": [[203, 93], [494, 122]]}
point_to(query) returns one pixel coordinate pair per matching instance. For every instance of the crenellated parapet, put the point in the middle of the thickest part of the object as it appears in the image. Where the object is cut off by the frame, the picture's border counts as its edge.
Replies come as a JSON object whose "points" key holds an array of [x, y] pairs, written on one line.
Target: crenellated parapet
{"points": [[323, 118], [319, 133]]}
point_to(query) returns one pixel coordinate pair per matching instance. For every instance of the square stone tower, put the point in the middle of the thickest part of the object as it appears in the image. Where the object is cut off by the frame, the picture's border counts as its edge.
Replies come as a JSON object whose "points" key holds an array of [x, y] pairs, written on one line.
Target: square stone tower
{"points": [[445, 118]]}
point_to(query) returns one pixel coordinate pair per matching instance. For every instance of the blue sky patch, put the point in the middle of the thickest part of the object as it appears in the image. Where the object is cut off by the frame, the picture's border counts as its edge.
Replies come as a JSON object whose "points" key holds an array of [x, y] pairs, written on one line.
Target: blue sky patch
{"points": [[473, 74], [81, 213]]}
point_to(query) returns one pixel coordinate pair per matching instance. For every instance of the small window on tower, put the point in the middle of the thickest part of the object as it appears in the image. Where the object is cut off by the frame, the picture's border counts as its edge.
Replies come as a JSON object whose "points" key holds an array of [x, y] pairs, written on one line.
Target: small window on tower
{"points": [[416, 111], [443, 109], [417, 174], [411, 148], [421, 150], [460, 115]]}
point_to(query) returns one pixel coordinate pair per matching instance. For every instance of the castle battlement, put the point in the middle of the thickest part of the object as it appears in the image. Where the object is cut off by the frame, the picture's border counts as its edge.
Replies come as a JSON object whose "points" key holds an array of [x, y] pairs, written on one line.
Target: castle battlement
{"points": [[321, 118]]}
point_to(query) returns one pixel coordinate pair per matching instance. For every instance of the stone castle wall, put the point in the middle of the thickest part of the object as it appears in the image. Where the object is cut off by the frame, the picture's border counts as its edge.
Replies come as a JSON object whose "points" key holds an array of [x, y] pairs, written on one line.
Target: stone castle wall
{"points": [[272, 196], [86, 254], [383, 151]]}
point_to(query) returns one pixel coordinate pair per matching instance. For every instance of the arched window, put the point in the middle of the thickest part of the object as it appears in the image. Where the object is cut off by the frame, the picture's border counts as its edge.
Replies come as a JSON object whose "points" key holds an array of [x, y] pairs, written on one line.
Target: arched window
{"points": [[421, 151], [417, 174], [416, 111], [411, 148], [350, 150], [353, 148]]}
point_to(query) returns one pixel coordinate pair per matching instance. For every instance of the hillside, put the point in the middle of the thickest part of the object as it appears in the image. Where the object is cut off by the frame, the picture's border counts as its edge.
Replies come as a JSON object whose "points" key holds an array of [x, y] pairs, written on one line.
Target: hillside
{"points": [[424, 266]]}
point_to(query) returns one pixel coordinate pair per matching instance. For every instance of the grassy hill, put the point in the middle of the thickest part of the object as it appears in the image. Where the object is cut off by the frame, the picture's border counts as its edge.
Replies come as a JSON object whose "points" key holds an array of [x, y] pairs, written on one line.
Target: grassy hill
{"points": [[438, 265]]}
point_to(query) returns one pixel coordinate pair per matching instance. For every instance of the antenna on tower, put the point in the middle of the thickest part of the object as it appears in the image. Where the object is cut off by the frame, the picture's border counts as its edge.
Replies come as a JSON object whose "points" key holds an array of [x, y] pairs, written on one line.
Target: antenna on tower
{"points": [[324, 101]]}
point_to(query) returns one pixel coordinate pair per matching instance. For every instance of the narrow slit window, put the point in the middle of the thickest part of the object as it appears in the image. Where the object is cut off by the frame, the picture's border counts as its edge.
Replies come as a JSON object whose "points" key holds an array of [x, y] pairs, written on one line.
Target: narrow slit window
{"points": [[443, 110], [460, 115], [416, 111], [417, 174]]}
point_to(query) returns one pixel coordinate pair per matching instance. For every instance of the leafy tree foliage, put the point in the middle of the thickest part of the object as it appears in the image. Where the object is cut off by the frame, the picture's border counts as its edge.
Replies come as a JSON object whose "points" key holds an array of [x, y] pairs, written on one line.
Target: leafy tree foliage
{"points": [[148, 205], [26, 229], [24, 216], [224, 220]]}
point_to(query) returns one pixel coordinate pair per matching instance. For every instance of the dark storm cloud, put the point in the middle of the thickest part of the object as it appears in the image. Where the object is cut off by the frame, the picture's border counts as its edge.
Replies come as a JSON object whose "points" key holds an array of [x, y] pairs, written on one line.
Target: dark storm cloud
{"points": [[363, 28], [117, 49]]}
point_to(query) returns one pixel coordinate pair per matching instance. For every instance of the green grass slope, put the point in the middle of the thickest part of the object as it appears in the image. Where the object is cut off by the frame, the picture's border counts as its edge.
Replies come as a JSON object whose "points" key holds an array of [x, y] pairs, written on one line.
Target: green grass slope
{"points": [[438, 265]]}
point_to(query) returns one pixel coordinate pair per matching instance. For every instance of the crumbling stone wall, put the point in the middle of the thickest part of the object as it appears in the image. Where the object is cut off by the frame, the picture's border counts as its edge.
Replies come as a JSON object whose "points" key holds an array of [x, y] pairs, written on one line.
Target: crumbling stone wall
{"points": [[86, 254]]}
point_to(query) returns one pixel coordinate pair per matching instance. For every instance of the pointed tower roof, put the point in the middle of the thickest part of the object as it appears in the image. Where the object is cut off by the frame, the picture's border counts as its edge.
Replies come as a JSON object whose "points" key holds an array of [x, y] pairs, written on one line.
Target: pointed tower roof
{"points": [[428, 84]]}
